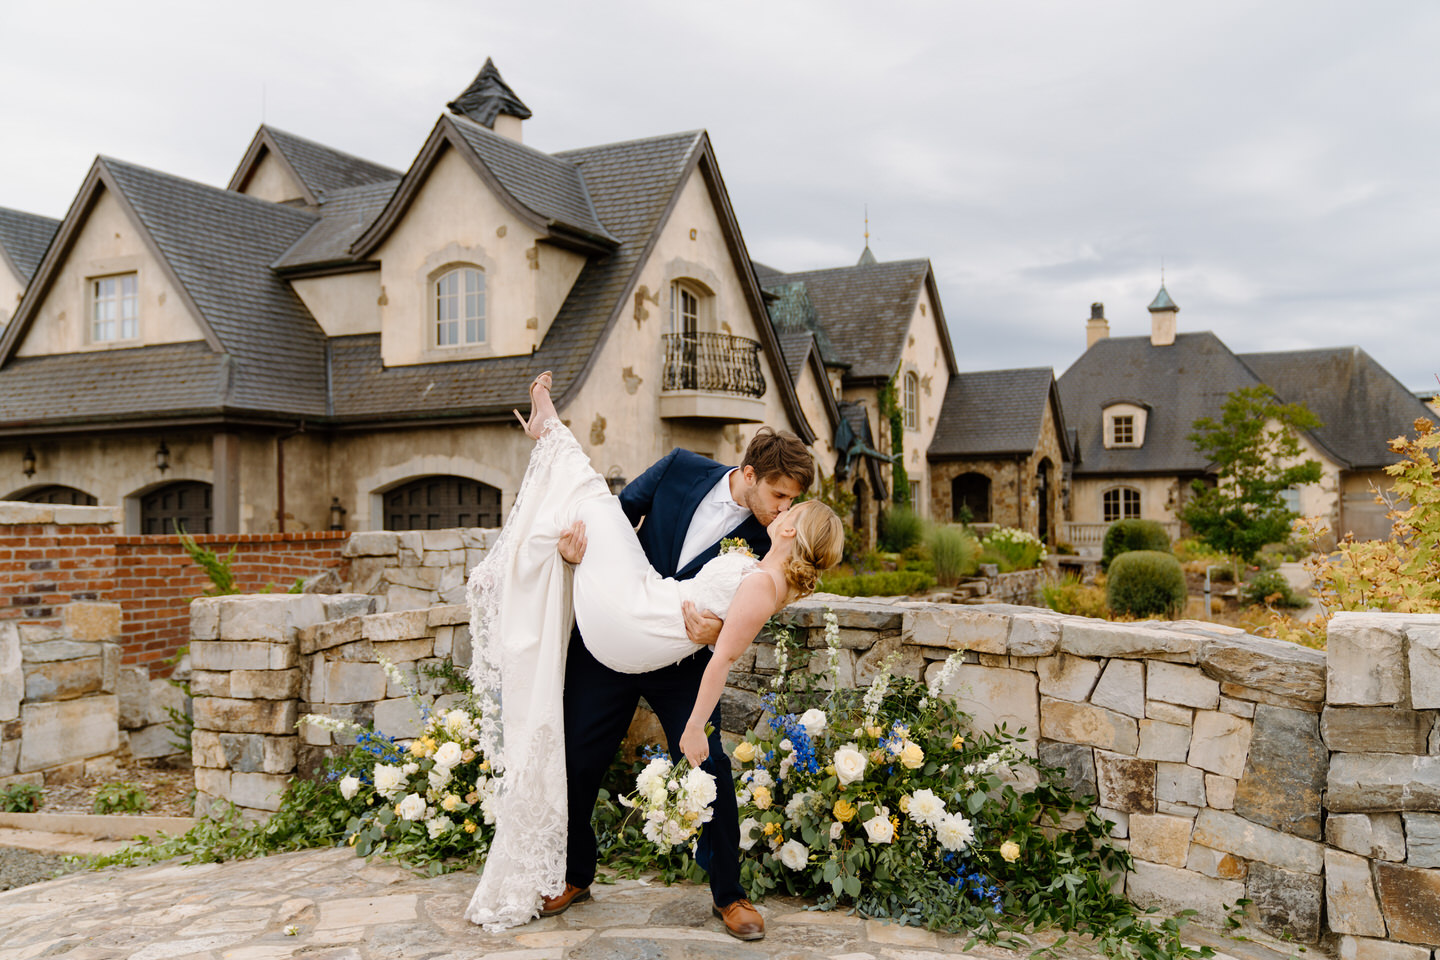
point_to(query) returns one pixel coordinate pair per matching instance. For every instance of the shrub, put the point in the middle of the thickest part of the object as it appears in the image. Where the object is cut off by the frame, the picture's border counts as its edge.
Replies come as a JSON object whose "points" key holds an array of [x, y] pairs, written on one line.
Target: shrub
{"points": [[1072, 596], [120, 797], [1145, 583], [955, 554], [21, 798], [1271, 589], [897, 583], [1126, 535], [900, 529], [1012, 549]]}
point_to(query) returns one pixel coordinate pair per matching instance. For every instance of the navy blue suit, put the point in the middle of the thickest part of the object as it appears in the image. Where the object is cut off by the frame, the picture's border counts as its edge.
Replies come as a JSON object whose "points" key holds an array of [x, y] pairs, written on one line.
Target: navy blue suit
{"points": [[600, 702]]}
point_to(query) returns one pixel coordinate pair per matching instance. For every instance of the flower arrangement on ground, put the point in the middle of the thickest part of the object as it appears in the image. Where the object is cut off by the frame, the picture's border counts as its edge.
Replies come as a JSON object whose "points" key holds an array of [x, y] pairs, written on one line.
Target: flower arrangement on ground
{"points": [[428, 801]]}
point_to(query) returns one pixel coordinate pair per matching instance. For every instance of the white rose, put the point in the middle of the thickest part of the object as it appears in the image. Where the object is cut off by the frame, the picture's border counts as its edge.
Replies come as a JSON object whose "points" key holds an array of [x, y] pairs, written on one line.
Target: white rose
{"points": [[412, 807], [837, 830], [879, 828], [786, 744], [448, 754], [439, 776], [438, 826], [761, 778], [410, 768], [747, 839], [794, 854], [926, 808], [349, 786], [849, 764], [814, 721], [388, 780], [700, 787], [954, 832]]}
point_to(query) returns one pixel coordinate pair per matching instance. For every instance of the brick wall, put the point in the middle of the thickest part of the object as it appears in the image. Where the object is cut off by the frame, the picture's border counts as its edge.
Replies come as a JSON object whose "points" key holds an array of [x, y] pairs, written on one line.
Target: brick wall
{"points": [[155, 581], [51, 555]]}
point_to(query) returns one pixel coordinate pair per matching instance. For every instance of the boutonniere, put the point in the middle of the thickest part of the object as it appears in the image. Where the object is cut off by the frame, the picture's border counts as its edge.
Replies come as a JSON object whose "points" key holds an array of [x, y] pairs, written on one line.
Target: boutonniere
{"points": [[736, 545]]}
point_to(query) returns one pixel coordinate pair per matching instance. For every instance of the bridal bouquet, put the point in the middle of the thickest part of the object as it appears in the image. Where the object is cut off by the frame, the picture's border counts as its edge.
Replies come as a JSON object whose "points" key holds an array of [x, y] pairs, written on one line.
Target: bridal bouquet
{"points": [[675, 800], [427, 800]]}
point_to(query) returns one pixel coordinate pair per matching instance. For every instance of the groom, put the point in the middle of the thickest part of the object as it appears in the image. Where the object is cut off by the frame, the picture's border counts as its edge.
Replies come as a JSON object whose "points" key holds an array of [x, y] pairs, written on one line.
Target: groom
{"points": [[688, 503]]}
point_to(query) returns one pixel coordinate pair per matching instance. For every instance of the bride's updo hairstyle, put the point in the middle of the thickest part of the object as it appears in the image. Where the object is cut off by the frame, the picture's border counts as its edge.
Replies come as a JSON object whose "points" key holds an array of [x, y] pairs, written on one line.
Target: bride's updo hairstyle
{"points": [[819, 543]]}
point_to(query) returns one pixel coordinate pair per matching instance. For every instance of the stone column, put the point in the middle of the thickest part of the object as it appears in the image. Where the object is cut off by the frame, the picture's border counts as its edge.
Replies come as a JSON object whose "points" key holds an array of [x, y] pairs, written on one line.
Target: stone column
{"points": [[246, 681], [225, 493]]}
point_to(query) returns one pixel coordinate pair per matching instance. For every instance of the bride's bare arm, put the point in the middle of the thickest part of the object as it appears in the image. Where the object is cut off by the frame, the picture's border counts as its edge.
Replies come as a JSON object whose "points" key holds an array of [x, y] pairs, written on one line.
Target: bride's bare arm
{"points": [[754, 603]]}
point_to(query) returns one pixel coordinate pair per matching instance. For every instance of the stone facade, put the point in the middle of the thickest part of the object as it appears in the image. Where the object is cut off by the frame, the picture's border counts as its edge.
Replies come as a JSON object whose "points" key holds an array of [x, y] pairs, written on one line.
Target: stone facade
{"points": [[415, 569]]}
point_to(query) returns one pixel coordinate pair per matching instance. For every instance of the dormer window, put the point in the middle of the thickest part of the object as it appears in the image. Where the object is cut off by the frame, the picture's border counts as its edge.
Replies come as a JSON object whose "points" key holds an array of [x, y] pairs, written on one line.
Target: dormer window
{"points": [[114, 308], [460, 307], [911, 400], [1124, 425]]}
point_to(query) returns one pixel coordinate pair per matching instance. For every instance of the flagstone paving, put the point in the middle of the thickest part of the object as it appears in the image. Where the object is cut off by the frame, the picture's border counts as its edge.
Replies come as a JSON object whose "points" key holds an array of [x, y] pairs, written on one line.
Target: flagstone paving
{"points": [[341, 908]]}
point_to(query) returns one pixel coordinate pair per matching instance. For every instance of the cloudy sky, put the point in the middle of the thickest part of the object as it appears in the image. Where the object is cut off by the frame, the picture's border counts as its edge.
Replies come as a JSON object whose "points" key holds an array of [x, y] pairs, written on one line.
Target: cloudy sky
{"points": [[1279, 158]]}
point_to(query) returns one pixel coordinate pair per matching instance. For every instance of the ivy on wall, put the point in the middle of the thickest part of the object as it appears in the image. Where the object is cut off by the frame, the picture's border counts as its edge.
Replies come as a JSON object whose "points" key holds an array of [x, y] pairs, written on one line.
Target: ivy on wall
{"points": [[889, 408]]}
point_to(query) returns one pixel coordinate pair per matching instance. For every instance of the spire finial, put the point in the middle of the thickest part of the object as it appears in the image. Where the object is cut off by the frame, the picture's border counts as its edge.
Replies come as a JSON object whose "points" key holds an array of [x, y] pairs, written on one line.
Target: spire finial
{"points": [[867, 224]]}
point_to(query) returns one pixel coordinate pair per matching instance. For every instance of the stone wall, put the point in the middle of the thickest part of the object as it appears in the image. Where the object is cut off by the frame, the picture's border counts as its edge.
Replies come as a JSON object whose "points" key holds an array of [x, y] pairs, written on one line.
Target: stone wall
{"points": [[1216, 756], [415, 569]]}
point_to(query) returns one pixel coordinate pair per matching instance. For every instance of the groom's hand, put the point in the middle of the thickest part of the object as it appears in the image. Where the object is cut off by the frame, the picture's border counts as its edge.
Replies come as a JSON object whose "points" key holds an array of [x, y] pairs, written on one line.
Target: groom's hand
{"points": [[573, 543], [701, 626]]}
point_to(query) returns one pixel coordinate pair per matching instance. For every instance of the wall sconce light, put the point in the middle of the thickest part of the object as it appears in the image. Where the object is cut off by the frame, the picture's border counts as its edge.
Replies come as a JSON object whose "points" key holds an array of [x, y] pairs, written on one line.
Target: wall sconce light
{"points": [[615, 481], [27, 462], [337, 514], [162, 457]]}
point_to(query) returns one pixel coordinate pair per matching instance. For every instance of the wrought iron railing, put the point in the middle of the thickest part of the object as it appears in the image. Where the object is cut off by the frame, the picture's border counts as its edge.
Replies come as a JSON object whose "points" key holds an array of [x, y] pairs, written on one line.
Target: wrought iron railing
{"points": [[714, 363]]}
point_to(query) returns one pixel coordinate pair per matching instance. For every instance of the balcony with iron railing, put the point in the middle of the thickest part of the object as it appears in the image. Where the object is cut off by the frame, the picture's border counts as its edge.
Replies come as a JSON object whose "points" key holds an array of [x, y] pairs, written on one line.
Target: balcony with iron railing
{"points": [[712, 376]]}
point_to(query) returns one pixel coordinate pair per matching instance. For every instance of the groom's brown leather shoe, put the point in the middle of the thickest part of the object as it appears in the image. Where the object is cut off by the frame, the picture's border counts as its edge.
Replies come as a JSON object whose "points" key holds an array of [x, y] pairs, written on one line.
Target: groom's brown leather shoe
{"points": [[550, 906], [742, 921]]}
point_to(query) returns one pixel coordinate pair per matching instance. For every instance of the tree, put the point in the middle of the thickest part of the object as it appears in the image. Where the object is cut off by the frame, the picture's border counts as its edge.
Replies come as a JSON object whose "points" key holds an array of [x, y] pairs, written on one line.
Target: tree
{"points": [[1256, 453]]}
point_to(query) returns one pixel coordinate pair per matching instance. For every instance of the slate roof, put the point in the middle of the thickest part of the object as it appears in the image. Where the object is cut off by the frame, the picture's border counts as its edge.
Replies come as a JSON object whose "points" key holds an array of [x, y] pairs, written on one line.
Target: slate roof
{"points": [[865, 309], [24, 238], [324, 169], [550, 185], [1180, 383], [96, 386], [792, 312], [1360, 404], [219, 245], [796, 345], [993, 413], [487, 97], [344, 215], [630, 185]]}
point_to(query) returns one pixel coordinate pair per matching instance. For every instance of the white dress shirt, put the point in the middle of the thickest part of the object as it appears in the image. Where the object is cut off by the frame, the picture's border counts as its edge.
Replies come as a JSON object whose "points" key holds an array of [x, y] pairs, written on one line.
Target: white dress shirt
{"points": [[717, 515]]}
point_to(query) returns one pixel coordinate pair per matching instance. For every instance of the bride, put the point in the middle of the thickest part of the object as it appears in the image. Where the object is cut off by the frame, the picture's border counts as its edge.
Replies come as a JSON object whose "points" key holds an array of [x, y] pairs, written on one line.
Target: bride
{"points": [[522, 599]]}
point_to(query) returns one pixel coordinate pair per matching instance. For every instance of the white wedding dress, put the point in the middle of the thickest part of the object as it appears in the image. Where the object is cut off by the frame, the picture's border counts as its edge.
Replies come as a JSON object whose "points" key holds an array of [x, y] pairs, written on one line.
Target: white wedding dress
{"points": [[522, 599]]}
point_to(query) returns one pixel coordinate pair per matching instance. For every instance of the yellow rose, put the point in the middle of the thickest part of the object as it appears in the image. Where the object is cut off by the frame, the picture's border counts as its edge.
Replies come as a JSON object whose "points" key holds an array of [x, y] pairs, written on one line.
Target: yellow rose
{"points": [[467, 756], [745, 752], [1010, 851], [873, 732], [469, 826], [958, 742], [912, 756], [760, 796], [905, 803], [450, 802], [844, 811]]}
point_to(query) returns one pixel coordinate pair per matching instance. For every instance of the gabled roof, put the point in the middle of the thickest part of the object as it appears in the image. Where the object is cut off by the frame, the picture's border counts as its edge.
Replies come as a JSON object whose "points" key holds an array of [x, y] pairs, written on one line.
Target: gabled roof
{"points": [[866, 311], [487, 97], [546, 191], [1181, 382], [23, 239], [344, 215], [800, 352], [995, 413], [793, 313], [317, 168], [1360, 404], [215, 247]]}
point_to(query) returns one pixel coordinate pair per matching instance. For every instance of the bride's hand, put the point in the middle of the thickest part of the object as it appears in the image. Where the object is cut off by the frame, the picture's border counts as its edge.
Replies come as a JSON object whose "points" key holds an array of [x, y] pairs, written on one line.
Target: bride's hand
{"points": [[572, 542], [695, 745]]}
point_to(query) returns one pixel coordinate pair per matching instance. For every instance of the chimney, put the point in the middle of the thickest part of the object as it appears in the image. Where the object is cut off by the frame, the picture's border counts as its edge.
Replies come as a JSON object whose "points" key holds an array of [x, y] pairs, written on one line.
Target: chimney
{"points": [[1097, 328], [1162, 319]]}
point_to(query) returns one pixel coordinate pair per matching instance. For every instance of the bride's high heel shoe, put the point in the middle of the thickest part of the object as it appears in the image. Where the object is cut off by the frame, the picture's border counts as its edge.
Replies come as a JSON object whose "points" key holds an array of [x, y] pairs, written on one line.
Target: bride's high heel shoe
{"points": [[529, 426]]}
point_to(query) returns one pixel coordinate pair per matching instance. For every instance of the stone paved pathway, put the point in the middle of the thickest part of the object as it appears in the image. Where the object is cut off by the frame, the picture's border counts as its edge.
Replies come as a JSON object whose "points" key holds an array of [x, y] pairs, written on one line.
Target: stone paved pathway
{"points": [[343, 908]]}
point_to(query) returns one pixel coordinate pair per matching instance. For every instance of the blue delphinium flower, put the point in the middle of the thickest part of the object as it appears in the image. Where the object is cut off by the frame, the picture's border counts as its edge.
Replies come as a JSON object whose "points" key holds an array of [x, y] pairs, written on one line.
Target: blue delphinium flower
{"points": [[802, 747], [971, 882]]}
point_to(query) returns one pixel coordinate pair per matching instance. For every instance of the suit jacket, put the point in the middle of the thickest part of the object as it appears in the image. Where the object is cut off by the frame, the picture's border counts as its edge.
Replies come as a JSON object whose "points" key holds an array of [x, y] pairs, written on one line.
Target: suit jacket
{"points": [[665, 496]]}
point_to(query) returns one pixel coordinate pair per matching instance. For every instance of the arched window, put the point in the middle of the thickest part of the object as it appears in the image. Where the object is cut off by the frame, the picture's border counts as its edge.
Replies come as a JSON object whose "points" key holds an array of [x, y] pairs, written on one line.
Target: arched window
{"points": [[911, 400], [1120, 503], [59, 494], [460, 307], [184, 503], [970, 498], [442, 503]]}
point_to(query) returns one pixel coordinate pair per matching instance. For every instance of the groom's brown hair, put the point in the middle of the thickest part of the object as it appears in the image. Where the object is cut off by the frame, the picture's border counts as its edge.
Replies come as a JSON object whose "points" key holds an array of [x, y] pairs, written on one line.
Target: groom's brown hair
{"points": [[779, 453]]}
